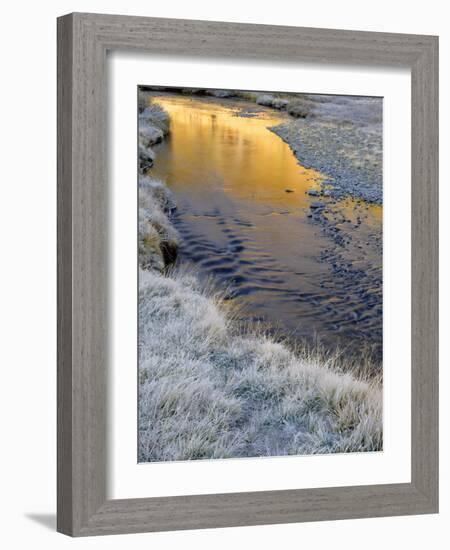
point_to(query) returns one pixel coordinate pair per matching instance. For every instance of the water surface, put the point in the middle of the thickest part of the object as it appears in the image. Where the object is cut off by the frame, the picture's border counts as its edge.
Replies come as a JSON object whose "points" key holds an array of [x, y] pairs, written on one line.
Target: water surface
{"points": [[243, 214]]}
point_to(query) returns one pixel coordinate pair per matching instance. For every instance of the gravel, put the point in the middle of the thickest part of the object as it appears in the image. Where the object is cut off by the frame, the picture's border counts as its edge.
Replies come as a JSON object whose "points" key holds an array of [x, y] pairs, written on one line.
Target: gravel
{"points": [[343, 141]]}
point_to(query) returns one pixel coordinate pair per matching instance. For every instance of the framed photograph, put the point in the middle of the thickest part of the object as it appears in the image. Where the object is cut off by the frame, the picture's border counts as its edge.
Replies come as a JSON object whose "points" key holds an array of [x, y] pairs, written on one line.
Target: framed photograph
{"points": [[247, 274]]}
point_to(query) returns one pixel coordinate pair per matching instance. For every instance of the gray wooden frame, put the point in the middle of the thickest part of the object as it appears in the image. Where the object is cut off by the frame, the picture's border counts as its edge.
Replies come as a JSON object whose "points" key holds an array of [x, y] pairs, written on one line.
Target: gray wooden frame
{"points": [[83, 40]]}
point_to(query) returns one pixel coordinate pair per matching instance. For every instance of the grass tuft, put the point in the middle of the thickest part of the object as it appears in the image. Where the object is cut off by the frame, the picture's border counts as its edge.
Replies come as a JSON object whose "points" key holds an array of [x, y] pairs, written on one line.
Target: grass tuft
{"points": [[158, 241], [154, 124]]}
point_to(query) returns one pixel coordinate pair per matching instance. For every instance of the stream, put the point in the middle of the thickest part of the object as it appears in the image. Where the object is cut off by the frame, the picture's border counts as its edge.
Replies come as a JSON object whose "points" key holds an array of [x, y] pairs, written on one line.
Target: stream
{"points": [[245, 218]]}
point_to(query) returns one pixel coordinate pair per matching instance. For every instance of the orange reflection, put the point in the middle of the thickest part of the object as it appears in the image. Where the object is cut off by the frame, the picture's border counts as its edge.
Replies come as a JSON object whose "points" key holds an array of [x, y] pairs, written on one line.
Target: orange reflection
{"points": [[251, 162]]}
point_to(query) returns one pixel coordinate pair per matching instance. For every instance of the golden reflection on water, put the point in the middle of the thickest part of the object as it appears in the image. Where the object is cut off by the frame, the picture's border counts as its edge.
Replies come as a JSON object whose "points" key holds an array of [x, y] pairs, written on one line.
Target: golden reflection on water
{"points": [[253, 163]]}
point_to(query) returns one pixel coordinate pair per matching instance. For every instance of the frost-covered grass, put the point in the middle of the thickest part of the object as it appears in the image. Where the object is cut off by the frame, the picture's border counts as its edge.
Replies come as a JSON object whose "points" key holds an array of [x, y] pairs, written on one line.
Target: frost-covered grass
{"points": [[208, 391], [155, 115], [158, 239], [154, 124]]}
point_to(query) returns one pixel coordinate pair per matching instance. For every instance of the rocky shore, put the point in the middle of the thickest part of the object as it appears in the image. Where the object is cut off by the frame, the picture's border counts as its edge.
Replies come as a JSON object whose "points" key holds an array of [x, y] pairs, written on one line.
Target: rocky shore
{"points": [[342, 140], [340, 136]]}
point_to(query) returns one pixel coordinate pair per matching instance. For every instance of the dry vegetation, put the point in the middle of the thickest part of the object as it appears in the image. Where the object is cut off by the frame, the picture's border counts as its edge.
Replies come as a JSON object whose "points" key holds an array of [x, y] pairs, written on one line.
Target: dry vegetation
{"points": [[207, 391]]}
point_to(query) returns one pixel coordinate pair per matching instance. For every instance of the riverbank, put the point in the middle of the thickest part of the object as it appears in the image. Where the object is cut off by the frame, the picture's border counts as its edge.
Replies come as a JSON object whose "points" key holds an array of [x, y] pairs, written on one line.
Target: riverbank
{"points": [[208, 388], [342, 138]]}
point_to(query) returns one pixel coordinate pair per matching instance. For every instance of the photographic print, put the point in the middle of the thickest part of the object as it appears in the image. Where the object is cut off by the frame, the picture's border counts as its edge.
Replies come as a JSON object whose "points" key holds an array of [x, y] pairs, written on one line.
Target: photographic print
{"points": [[260, 274]]}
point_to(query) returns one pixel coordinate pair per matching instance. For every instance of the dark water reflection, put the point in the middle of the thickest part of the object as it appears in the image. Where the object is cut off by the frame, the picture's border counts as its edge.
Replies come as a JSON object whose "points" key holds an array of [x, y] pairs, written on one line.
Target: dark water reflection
{"points": [[243, 217]]}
